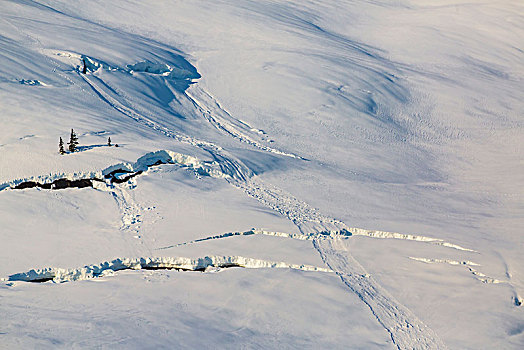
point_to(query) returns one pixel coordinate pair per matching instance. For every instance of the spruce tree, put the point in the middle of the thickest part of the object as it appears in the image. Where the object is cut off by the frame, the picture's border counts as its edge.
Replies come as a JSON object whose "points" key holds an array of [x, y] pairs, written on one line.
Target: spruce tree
{"points": [[73, 141], [109, 141], [61, 146]]}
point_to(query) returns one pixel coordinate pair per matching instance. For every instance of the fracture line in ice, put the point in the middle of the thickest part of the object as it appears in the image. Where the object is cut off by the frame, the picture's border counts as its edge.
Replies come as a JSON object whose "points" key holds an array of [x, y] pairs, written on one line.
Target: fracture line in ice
{"points": [[477, 274], [325, 234], [59, 275], [395, 235], [245, 233], [142, 164]]}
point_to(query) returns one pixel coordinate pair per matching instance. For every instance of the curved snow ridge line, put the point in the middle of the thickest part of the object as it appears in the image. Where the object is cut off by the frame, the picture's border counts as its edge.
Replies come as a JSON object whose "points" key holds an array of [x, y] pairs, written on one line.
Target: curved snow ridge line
{"points": [[228, 127], [229, 165], [477, 274], [59, 275], [168, 157], [133, 114], [235, 168], [395, 235], [407, 331], [298, 236]]}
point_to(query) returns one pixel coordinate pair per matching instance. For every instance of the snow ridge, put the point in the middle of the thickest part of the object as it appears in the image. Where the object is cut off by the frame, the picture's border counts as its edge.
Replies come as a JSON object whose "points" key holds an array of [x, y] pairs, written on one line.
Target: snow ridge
{"points": [[59, 275]]}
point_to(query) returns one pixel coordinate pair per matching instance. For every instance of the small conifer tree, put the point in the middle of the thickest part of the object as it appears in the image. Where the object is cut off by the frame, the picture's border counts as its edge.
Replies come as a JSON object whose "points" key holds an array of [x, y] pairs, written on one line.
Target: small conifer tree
{"points": [[109, 141], [73, 141], [61, 146]]}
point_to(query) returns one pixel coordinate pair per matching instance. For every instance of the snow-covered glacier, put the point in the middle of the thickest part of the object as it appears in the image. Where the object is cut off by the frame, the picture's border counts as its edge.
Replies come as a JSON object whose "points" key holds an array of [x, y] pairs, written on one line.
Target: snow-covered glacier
{"points": [[254, 174]]}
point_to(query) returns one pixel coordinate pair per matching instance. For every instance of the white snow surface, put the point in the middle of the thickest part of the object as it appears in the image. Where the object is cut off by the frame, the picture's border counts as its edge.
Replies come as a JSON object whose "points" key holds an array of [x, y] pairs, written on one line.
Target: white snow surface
{"points": [[289, 174]]}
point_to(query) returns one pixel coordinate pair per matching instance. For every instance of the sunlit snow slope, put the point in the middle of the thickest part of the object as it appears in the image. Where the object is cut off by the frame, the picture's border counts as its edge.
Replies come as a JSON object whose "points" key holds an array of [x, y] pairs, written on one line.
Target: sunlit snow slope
{"points": [[289, 174]]}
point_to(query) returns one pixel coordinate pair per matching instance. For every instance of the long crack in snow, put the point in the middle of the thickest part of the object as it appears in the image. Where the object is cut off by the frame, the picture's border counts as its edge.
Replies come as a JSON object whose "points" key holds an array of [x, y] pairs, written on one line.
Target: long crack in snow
{"points": [[59, 275]]}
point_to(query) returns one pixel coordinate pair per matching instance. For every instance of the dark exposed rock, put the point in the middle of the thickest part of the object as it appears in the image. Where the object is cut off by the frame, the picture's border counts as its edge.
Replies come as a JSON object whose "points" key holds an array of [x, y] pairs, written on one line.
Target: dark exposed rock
{"points": [[27, 184], [57, 184]]}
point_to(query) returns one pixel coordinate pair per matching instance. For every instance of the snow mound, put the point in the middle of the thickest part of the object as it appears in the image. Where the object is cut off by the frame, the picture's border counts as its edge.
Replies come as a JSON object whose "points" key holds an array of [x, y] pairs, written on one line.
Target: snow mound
{"points": [[168, 157]]}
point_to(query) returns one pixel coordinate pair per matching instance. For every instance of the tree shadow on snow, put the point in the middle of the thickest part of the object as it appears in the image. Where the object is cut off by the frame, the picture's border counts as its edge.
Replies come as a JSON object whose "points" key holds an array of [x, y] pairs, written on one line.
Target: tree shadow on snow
{"points": [[87, 148]]}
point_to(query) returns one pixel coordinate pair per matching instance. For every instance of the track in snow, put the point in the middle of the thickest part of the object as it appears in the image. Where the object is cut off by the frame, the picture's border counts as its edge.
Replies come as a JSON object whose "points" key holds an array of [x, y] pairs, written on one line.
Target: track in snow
{"points": [[405, 329]]}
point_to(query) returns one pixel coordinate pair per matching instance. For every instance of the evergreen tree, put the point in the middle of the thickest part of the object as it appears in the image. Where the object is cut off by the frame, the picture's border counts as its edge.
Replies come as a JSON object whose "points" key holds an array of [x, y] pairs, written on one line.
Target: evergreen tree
{"points": [[73, 142], [61, 146], [109, 141]]}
